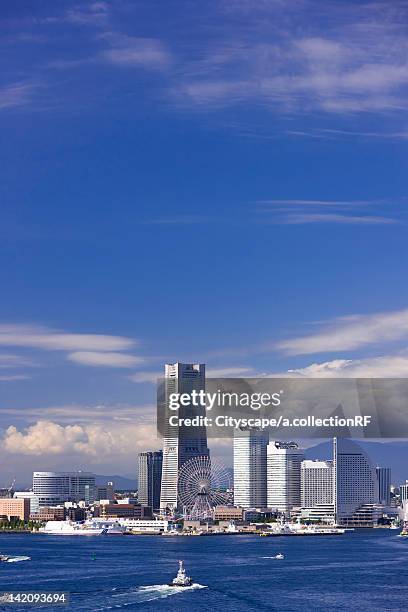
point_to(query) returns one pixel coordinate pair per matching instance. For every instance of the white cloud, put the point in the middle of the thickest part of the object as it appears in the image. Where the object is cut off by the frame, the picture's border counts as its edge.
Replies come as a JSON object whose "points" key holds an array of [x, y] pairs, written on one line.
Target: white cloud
{"points": [[54, 340], [350, 333], [230, 372], [16, 94], [388, 366], [94, 441], [145, 377], [14, 361], [350, 61], [132, 51], [13, 377], [113, 360], [300, 219]]}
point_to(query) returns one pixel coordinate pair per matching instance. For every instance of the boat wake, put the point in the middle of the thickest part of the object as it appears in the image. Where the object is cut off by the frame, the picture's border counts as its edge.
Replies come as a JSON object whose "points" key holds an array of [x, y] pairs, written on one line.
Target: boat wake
{"points": [[159, 591], [17, 559]]}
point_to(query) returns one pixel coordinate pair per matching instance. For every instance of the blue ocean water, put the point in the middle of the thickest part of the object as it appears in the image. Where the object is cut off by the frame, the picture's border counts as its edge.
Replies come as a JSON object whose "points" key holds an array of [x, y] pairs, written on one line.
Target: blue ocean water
{"points": [[363, 570]]}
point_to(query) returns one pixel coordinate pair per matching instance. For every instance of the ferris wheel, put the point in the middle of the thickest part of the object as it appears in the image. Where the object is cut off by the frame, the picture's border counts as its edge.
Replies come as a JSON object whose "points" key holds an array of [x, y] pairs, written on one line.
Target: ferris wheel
{"points": [[202, 484]]}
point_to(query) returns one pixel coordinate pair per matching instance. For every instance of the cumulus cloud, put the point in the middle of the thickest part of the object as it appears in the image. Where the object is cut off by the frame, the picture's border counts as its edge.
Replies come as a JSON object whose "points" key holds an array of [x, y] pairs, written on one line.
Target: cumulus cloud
{"points": [[112, 360], [350, 333], [93, 441]]}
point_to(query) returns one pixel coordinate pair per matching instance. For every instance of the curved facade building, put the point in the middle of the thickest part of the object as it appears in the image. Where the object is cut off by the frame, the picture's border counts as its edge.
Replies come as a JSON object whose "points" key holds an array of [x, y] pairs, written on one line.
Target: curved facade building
{"points": [[54, 488]]}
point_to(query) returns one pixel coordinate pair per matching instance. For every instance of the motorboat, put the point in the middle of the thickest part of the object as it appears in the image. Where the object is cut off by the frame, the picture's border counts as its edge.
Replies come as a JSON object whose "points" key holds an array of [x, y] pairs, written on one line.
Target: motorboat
{"points": [[181, 580]]}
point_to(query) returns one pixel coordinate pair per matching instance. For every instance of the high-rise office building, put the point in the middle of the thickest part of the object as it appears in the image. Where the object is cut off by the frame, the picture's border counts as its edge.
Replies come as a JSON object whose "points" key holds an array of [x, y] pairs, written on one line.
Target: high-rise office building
{"points": [[355, 480], [250, 446], [149, 478], [384, 485], [181, 443], [316, 483], [53, 488], [283, 475], [403, 492]]}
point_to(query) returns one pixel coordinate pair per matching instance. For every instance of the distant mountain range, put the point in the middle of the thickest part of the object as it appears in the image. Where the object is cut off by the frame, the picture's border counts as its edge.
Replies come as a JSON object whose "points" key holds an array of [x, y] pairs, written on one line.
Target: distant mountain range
{"points": [[385, 454]]}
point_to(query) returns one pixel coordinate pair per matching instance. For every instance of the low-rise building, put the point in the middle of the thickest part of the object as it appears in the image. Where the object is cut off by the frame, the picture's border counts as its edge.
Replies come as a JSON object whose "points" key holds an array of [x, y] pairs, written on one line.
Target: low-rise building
{"points": [[13, 508], [110, 510], [228, 513]]}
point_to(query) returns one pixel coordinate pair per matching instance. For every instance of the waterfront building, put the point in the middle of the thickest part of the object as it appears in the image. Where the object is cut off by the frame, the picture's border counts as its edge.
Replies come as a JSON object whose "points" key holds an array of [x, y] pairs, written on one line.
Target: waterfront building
{"points": [[228, 513], [106, 491], [53, 488], [13, 508], [383, 485], [49, 513], [403, 492], [250, 446], [34, 499], [181, 443], [284, 461], [150, 467], [355, 479], [319, 513], [316, 483], [124, 510]]}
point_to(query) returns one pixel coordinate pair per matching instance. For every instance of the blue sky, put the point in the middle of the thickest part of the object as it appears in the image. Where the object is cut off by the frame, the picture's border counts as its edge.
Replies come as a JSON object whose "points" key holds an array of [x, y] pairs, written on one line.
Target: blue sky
{"points": [[221, 182]]}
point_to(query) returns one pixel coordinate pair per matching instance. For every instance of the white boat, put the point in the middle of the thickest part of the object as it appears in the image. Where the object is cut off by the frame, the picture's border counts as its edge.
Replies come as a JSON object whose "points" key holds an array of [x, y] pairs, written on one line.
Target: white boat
{"points": [[181, 580], [7, 559], [89, 528], [279, 556]]}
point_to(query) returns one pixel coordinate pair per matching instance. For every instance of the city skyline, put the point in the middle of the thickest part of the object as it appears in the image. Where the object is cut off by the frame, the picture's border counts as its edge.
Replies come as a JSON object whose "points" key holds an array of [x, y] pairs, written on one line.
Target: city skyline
{"points": [[246, 164]]}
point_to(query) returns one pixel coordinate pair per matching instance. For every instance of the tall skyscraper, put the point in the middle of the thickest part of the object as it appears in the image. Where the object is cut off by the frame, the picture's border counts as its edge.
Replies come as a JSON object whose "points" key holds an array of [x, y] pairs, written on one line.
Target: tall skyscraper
{"points": [[384, 485], [250, 468], [181, 443], [403, 491], [149, 478], [53, 488], [283, 475], [316, 483], [355, 480]]}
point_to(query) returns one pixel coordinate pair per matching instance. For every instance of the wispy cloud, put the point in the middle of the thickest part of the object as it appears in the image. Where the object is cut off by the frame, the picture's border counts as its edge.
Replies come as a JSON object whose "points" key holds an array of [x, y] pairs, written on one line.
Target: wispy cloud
{"points": [[180, 220], [13, 377], [81, 348], [107, 359], [349, 61], [17, 94], [306, 211], [14, 361], [301, 219], [92, 13], [45, 338], [135, 51], [350, 333]]}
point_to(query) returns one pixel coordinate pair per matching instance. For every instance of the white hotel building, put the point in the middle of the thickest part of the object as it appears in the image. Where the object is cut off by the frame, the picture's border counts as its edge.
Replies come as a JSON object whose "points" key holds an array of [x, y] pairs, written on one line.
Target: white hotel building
{"points": [[316, 483]]}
